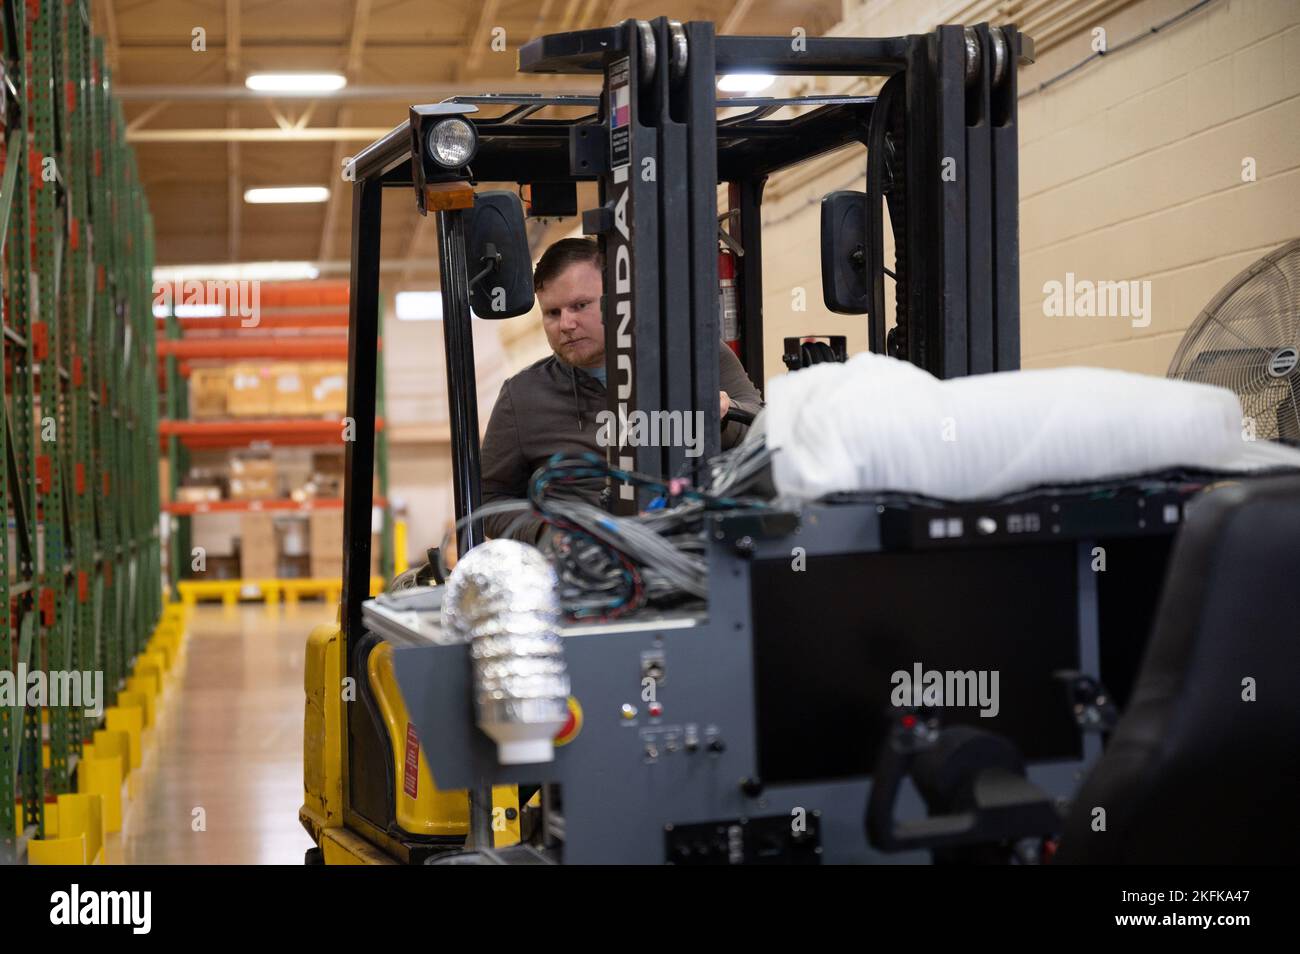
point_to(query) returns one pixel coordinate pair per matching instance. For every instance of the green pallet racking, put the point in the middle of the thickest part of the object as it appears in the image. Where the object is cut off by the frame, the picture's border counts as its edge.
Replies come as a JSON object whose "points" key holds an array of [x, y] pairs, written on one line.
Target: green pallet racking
{"points": [[79, 483]]}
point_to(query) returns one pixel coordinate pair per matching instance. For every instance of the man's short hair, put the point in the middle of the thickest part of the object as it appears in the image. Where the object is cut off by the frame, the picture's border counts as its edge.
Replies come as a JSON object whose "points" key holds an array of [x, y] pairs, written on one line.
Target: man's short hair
{"points": [[562, 254]]}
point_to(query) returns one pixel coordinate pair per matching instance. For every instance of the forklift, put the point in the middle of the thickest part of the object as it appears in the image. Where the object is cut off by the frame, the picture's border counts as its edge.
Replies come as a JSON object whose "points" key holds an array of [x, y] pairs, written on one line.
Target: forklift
{"points": [[939, 151], [395, 769]]}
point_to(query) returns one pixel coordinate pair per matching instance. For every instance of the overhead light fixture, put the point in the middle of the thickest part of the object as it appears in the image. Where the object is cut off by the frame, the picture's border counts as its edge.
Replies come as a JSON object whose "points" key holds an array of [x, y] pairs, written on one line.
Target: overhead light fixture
{"points": [[214, 310], [238, 271], [282, 194], [419, 306], [296, 82], [745, 82]]}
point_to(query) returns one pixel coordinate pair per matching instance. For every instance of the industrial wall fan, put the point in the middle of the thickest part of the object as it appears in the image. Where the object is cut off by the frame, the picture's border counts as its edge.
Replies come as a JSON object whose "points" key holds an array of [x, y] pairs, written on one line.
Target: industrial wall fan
{"points": [[1248, 340]]}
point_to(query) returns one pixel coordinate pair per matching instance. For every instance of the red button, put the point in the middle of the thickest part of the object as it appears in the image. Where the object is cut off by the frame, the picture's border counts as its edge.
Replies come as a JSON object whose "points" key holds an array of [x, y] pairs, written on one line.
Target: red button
{"points": [[655, 709]]}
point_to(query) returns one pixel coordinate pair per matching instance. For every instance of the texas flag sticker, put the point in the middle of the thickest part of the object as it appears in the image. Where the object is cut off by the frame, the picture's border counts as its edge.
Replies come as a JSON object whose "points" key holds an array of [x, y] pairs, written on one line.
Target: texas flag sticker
{"points": [[621, 114]]}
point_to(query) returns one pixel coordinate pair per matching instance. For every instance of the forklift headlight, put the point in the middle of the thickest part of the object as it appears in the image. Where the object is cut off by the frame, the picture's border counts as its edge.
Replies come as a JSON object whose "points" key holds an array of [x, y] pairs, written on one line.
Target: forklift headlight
{"points": [[452, 143]]}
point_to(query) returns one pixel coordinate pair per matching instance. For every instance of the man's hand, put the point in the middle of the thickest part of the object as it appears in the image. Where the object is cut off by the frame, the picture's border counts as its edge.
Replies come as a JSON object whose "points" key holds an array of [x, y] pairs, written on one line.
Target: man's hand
{"points": [[724, 404]]}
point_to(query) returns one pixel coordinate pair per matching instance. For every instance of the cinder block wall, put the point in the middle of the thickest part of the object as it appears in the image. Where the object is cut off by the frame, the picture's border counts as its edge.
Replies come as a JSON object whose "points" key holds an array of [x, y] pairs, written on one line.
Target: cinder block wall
{"points": [[1130, 169]]}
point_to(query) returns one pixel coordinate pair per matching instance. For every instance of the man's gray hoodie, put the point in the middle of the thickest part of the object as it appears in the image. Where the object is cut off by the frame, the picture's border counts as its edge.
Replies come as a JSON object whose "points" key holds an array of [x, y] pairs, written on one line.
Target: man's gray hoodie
{"points": [[551, 407]]}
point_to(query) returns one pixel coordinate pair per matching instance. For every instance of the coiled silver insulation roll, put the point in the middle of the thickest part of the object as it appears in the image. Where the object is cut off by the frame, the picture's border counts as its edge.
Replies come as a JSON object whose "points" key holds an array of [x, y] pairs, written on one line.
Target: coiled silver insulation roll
{"points": [[502, 599]]}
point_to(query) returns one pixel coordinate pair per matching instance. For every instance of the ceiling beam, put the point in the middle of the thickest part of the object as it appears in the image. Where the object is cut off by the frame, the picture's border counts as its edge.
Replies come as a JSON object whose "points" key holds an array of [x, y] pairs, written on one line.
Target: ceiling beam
{"points": [[617, 13], [478, 40], [352, 69], [734, 18], [147, 44], [589, 18], [234, 188], [263, 134], [422, 93], [147, 114], [543, 14], [113, 41]]}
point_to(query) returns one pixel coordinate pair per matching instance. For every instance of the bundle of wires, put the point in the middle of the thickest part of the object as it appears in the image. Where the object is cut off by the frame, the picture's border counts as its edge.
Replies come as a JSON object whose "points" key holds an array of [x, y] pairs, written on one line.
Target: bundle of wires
{"points": [[609, 565]]}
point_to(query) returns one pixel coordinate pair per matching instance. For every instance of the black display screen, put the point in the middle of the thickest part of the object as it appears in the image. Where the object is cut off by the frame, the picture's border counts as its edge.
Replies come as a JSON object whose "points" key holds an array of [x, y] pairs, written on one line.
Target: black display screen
{"points": [[829, 638]]}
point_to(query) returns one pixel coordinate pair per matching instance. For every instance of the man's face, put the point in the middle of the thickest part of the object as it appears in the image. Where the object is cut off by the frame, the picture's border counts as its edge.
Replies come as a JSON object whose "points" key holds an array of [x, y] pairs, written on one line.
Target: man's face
{"points": [[570, 304]]}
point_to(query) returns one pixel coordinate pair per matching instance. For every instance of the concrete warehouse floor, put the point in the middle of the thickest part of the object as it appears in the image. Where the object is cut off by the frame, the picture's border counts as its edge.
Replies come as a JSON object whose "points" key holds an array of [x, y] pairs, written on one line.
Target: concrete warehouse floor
{"points": [[228, 741]]}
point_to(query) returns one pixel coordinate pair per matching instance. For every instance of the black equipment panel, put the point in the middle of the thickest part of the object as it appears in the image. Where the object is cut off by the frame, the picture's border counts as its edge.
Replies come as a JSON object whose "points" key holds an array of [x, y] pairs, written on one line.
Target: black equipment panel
{"points": [[823, 680], [792, 839]]}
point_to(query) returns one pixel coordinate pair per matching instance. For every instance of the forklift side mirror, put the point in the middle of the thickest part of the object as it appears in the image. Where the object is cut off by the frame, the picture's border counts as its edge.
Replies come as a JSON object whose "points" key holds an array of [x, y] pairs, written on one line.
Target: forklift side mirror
{"points": [[496, 250], [846, 287]]}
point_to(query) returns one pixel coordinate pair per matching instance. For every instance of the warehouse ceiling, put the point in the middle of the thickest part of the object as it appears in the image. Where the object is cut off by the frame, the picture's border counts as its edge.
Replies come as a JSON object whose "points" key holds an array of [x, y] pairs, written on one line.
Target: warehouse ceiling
{"points": [[202, 138]]}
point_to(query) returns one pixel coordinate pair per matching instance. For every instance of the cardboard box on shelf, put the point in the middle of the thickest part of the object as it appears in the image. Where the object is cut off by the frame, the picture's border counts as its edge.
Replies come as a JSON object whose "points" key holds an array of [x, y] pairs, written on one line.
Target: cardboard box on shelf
{"points": [[329, 463], [215, 533], [329, 566], [198, 493], [258, 549], [252, 466], [253, 478], [208, 393], [252, 488], [328, 384], [249, 391], [290, 397], [325, 546], [325, 543], [292, 467], [325, 478]]}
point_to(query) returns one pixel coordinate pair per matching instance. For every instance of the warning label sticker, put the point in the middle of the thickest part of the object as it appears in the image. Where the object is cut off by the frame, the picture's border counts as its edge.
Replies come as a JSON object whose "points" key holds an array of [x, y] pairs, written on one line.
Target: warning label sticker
{"points": [[620, 114], [411, 765]]}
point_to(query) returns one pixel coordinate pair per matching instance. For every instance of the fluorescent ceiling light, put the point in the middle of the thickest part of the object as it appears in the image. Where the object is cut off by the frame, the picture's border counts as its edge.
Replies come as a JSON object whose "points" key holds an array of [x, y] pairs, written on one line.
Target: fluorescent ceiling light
{"points": [[281, 194], [238, 271], [745, 82], [422, 306], [419, 306], [296, 82], [215, 310]]}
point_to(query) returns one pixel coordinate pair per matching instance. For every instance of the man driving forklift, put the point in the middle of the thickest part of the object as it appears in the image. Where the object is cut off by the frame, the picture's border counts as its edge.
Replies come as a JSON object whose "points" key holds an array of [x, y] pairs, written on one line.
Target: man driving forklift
{"points": [[555, 404]]}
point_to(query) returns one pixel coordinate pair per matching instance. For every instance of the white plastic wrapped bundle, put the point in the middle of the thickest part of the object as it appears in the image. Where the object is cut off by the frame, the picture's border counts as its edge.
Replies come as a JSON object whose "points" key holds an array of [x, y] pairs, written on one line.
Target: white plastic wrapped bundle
{"points": [[876, 423]]}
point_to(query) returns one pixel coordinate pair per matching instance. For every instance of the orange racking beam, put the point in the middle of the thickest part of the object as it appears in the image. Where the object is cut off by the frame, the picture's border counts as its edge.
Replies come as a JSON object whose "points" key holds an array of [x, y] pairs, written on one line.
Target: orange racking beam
{"points": [[267, 506], [284, 431], [314, 347], [306, 319]]}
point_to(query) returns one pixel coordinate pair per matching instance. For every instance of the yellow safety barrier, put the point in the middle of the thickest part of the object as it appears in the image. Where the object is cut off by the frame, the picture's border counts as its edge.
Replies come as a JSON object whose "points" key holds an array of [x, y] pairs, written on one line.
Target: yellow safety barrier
{"points": [[76, 824], [113, 743], [131, 721], [83, 815], [171, 641], [57, 851], [162, 652], [102, 776], [151, 659], [270, 590], [400, 563], [331, 589], [150, 683], [150, 665], [141, 700]]}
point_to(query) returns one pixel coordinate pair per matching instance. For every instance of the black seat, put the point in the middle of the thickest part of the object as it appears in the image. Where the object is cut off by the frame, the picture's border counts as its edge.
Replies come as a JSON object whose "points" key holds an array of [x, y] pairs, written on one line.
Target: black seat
{"points": [[1193, 773]]}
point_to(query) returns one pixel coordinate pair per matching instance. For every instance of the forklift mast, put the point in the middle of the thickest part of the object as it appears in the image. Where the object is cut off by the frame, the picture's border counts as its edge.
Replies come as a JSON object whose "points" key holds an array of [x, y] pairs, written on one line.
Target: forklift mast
{"points": [[941, 152]]}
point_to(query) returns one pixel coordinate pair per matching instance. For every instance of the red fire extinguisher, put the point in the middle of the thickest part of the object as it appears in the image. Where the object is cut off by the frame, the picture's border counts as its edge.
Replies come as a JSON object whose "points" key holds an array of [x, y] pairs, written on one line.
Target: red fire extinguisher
{"points": [[728, 314]]}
